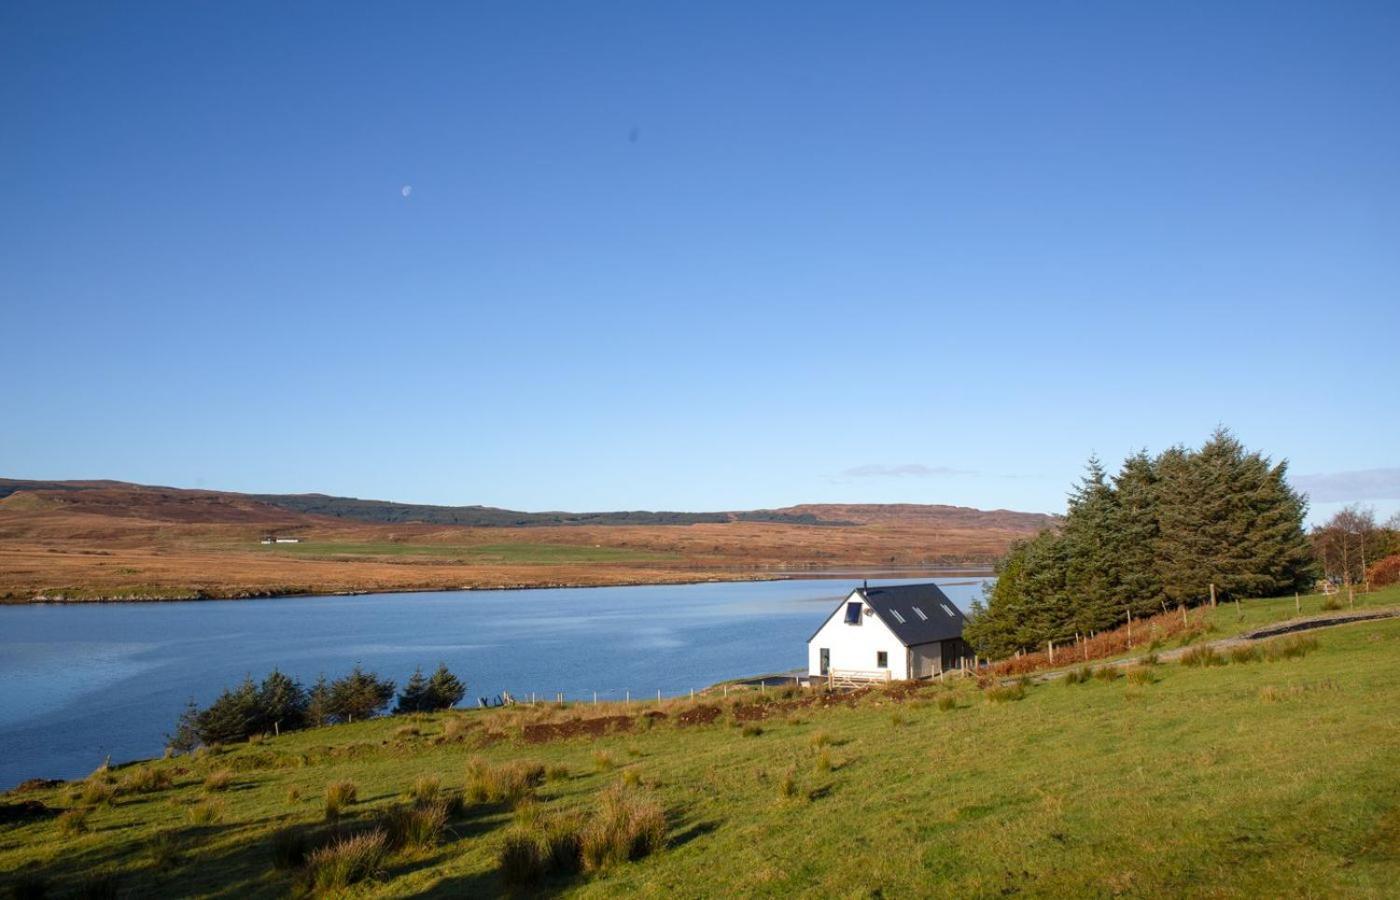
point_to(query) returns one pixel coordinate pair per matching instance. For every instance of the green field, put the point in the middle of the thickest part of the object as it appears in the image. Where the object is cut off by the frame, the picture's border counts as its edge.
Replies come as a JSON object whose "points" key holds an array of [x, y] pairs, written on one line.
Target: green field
{"points": [[515, 553], [1244, 780]]}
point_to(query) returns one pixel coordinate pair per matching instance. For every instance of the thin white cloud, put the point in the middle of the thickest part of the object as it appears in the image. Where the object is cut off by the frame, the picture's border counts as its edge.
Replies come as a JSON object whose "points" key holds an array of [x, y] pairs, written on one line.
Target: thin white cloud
{"points": [[906, 470], [1344, 487]]}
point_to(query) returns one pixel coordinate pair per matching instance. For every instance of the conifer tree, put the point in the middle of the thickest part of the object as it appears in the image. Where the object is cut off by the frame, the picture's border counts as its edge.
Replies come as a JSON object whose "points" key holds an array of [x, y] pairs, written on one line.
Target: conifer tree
{"points": [[1089, 551], [416, 696], [359, 695], [281, 704], [1136, 537], [445, 689], [318, 703]]}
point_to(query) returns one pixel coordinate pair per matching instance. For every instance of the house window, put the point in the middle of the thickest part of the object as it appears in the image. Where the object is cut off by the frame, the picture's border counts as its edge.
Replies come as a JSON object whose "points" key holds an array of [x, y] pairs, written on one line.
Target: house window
{"points": [[882, 660], [852, 613]]}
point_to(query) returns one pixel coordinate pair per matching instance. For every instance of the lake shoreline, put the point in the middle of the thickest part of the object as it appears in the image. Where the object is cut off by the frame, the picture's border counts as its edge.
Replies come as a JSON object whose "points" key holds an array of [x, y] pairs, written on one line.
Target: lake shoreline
{"points": [[711, 578]]}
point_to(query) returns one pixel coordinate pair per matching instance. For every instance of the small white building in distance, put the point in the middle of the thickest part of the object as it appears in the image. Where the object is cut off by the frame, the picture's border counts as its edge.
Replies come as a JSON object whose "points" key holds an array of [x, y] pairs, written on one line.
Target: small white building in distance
{"points": [[270, 539], [892, 633]]}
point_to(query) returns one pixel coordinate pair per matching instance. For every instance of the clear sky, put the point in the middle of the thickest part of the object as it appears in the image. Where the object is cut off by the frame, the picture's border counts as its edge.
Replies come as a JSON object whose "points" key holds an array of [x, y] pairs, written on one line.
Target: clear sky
{"points": [[696, 256]]}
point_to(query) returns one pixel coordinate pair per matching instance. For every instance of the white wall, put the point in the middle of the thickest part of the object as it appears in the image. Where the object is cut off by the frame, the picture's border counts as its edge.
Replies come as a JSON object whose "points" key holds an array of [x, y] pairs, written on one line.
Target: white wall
{"points": [[855, 646]]}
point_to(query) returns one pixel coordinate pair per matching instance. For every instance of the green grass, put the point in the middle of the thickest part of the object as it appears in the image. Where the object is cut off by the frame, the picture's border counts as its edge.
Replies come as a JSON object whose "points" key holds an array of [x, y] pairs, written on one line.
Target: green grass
{"points": [[1271, 778], [514, 553]]}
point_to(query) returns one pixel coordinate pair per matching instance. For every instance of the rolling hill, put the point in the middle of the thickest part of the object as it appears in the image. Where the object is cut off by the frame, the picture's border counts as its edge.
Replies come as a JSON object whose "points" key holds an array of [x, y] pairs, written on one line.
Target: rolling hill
{"points": [[76, 540]]}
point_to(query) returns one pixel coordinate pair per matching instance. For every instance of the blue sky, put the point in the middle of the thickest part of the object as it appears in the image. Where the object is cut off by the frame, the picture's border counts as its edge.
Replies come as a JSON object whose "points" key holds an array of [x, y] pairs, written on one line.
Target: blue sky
{"points": [[700, 256]]}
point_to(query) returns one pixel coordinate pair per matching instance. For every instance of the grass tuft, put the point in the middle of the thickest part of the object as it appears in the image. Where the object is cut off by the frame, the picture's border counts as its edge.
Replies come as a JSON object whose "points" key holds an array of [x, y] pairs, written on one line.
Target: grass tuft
{"points": [[333, 868], [1005, 693], [339, 794], [1108, 673], [425, 789], [206, 812], [73, 822], [627, 825], [416, 826], [218, 781], [145, 780], [1202, 657]]}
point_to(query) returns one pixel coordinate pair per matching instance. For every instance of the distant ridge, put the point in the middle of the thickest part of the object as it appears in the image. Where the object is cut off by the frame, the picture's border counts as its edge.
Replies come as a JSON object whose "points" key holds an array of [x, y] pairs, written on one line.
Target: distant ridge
{"points": [[184, 504]]}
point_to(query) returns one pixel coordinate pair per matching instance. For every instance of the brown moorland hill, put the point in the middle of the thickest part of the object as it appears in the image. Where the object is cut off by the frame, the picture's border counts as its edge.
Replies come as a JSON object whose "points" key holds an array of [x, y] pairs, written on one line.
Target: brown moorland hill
{"points": [[109, 540]]}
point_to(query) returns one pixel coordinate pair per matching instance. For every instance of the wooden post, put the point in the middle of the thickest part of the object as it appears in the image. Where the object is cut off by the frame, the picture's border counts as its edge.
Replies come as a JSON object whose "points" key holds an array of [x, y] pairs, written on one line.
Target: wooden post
{"points": [[692, 695], [1051, 645], [1297, 602], [595, 698], [1130, 627], [629, 698], [1351, 596], [1238, 610], [658, 696], [1184, 623], [726, 690], [277, 729], [1212, 595]]}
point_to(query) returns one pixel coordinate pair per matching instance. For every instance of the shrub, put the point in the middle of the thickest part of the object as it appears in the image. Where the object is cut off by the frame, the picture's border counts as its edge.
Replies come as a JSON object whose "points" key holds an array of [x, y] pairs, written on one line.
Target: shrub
{"points": [[1384, 572], [73, 822], [1332, 603], [603, 760], [425, 789], [289, 848], [339, 794], [947, 702], [218, 781], [338, 865], [1107, 673], [206, 812], [1202, 656], [414, 826], [1005, 693], [244, 711], [751, 729], [359, 695], [145, 780], [1244, 654], [626, 826], [823, 763]]}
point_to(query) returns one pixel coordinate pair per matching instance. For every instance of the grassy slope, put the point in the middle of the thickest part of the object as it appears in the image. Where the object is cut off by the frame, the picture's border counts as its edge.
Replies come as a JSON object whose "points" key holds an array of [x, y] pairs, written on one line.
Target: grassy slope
{"points": [[1196, 784]]}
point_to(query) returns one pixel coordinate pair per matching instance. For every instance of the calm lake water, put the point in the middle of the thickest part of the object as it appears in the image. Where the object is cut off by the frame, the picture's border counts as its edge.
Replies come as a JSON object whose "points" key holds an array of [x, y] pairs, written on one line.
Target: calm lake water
{"points": [[80, 682]]}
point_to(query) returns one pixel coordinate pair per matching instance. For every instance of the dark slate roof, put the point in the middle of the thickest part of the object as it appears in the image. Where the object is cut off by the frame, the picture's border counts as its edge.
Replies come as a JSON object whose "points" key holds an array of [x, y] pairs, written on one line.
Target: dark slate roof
{"points": [[899, 607]]}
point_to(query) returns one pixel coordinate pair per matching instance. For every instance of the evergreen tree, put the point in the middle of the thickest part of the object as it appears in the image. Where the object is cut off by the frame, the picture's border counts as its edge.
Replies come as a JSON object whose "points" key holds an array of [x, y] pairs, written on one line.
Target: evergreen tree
{"points": [[186, 736], [416, 696], [1164, 530], [359, 695], [445, 689], [231, 717], [318, 703], [282, 704], [1090, 549], [1136, 537]]}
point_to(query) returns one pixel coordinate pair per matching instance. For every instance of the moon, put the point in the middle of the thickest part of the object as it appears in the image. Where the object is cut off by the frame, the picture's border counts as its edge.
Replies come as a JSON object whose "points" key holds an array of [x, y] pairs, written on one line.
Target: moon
{"points": [[406, 190]]}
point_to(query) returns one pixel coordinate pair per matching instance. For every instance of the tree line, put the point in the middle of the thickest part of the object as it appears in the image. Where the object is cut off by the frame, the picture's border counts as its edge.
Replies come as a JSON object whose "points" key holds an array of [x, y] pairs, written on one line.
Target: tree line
{"points": [[1352, 548], [1156, 535], [281, 703]]}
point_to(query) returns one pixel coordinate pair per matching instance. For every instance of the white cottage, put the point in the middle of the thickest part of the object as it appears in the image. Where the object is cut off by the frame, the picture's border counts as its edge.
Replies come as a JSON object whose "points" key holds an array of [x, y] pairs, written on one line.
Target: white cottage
{"points": [[888, 633]]}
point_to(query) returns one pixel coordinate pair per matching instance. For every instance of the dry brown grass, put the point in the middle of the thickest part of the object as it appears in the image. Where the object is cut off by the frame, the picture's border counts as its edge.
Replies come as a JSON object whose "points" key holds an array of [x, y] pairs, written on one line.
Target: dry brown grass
{"points": [[128, 541]]}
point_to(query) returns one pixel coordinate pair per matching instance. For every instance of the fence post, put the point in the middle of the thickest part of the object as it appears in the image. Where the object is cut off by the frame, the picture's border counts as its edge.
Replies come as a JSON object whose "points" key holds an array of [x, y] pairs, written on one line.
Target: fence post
{"points": [[658, 696], [1212, 595], [595, 698], [1297, 602], [629, 698], [1051, 645]]}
